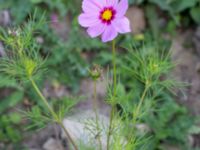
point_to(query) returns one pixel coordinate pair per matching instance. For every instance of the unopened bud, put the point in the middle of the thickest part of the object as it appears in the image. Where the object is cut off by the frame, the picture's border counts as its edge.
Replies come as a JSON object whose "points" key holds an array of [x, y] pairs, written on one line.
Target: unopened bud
{"points": [[14, 32], [95, 72]]}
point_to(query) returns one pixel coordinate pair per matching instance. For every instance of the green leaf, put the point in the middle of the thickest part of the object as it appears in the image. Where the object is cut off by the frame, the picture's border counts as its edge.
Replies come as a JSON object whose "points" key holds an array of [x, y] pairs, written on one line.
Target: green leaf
{"points": [[64, 105], [20, 10], [194, 130], [195, 14], [163, 4], [11, 100], [2, 136], [7, 82], [39, 118], [36, 1], [15, 118], [181, 5], [137, 2], [13, 134], [152, 17], [174, 6]]}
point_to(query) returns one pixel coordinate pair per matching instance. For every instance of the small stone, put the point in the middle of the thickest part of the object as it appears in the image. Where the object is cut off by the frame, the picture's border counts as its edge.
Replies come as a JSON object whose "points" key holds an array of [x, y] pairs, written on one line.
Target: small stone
{"points": [[53, 144], [190, 140], [5, 17], [196, 40], [198, 67], [2, 51], [137, 19], [60, 26], [2, 146], [144, 128], [197, 34], [40, 40]]}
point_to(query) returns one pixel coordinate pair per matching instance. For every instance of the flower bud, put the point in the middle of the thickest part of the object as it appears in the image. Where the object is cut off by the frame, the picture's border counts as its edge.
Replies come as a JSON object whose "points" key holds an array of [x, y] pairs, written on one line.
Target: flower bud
{"points": [[95, 72]]}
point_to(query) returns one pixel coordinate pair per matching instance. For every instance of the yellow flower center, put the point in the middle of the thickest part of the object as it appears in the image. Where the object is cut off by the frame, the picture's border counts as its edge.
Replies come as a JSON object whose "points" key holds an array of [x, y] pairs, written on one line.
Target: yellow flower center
{"points": [[107, 15]]}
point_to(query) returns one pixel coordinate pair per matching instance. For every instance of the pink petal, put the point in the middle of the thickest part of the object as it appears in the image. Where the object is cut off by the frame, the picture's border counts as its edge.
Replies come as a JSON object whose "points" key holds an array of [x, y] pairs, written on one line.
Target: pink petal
{"points": [[91, 6], [109, 34], [87, 20], [121, 8], [96, 30], [112, 2], [102, 2], [122, 25]]}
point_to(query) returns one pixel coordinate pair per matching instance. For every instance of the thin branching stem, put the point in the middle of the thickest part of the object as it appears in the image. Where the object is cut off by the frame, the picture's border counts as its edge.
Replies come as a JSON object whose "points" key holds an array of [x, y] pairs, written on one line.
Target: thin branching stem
{"points": [[68, 135], [142, 100], [96, 114], [43, 99], [114, 94], [138, 108], [114, 69], [55, 116]]}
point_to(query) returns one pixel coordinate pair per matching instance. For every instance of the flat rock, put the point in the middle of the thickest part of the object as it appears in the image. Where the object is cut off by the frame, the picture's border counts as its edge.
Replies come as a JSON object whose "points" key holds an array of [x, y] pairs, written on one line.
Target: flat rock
{"points": [[79, 126], [53, 144]]}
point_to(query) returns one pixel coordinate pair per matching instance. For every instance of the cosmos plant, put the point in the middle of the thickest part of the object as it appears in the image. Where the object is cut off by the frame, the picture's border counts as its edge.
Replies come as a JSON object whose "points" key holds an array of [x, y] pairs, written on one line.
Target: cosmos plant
{"points": [[99, 17]]}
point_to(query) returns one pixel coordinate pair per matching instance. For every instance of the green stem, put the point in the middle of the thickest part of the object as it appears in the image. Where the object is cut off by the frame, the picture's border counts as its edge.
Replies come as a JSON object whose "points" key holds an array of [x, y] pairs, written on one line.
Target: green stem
{"points": [[96, 114], [114, 68], [114, 93], [110, 127], [68, 136], [43, 99], [141, 100], [135, 115], [136, 112], [55, 116]]}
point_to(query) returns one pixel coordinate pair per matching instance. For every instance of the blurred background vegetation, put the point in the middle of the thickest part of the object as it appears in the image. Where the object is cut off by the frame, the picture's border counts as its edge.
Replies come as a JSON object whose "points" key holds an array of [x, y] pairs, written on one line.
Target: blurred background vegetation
{"points": [[156, 25]]}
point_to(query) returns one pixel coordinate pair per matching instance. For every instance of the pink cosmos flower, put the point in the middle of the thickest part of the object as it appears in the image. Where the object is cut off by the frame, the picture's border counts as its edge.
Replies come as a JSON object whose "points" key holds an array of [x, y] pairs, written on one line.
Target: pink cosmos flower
{"points": [[104, 17]]}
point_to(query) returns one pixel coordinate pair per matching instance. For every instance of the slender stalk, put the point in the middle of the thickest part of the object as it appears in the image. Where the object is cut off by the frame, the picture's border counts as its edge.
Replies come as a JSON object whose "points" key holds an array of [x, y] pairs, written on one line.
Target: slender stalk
{"points": [[110, 127], [43, 99], [141, 100], [137, 110], [114, 68], [114, 93], [135, 116], [68, 135], [55, 116], [96, 114]]}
